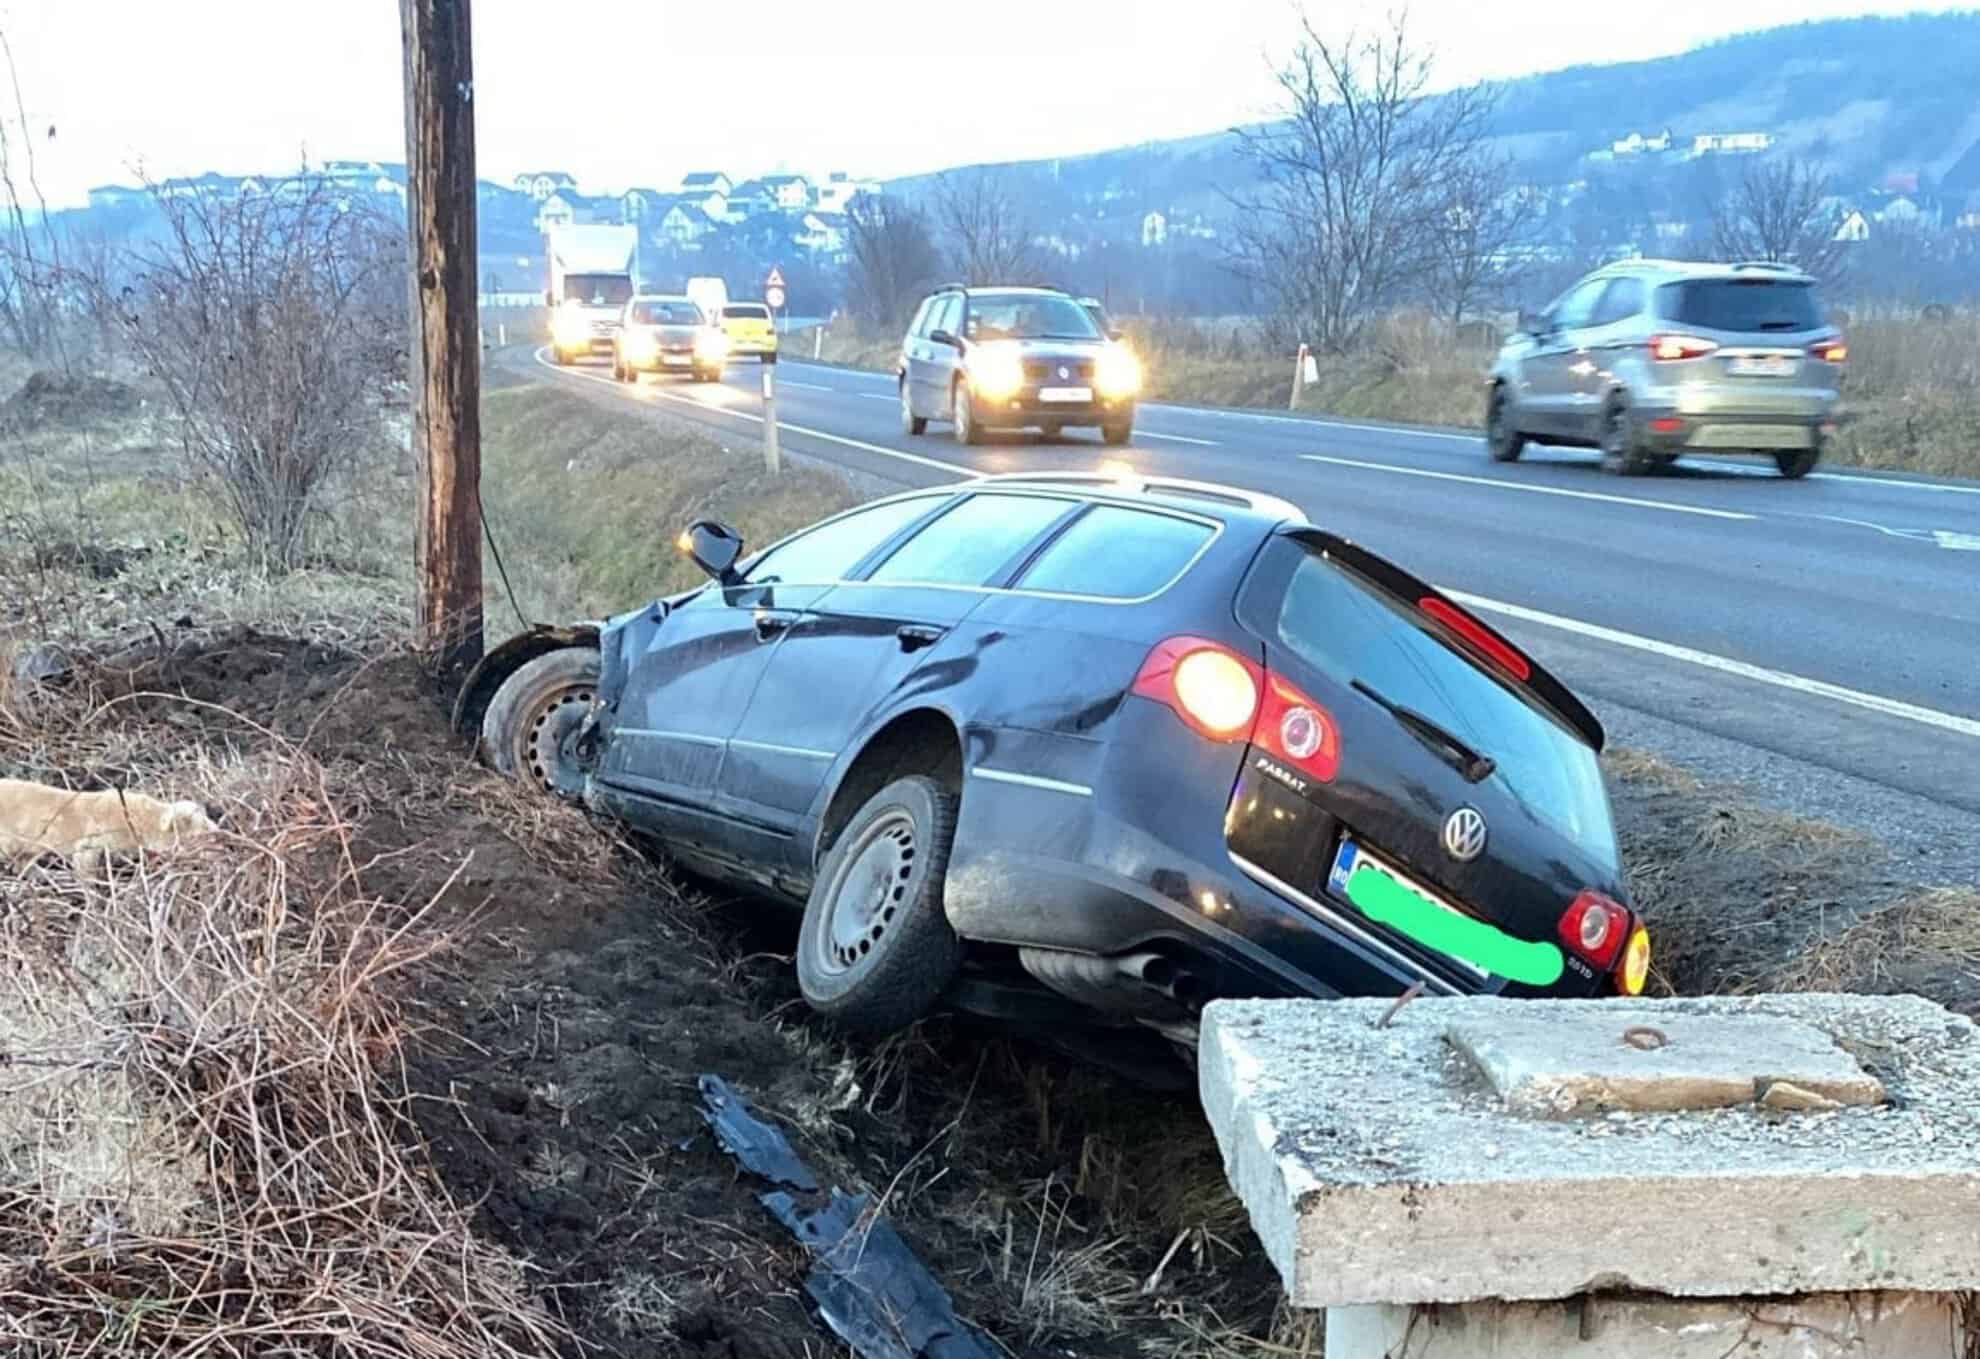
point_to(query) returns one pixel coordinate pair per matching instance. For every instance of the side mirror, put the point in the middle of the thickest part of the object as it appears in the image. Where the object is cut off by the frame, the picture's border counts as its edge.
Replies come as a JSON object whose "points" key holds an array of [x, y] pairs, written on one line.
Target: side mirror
{"points": [[944, 337], [714, 547], [1534, 323], [549, 297], [1117, 334]]}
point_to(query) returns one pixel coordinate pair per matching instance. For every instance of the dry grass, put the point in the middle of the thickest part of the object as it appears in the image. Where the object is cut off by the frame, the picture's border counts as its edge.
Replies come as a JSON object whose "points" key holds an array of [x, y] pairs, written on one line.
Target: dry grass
{"points": [[204, 1140], [1913, 393]]}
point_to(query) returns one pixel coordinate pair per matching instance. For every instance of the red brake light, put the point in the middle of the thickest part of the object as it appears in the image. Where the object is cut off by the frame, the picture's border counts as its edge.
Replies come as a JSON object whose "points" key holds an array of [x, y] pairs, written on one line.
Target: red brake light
{"points": [[1494, 647], [1831, 350], [1669, 347], [1225, 697], [1595, 927]]}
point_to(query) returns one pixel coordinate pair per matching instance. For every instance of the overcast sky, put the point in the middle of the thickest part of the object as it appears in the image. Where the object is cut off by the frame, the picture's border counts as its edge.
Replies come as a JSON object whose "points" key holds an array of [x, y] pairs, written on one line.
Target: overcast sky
{"points": [[633, 92]]}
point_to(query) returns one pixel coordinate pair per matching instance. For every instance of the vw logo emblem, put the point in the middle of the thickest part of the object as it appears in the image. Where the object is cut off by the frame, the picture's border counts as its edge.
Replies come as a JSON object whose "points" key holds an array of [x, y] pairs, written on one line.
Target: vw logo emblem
{"points": [[1464, 835], [1064, 371]]}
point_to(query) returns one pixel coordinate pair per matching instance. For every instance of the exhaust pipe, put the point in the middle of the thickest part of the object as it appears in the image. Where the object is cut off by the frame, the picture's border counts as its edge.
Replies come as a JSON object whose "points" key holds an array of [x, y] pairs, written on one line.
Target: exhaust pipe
{"points": [[1122, 984]]}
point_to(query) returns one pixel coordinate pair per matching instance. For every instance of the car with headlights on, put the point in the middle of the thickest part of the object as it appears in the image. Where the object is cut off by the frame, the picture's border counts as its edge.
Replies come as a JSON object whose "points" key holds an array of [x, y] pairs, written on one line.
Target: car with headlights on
{"points": [[1080, 749], [988, 358], [668, 334]]}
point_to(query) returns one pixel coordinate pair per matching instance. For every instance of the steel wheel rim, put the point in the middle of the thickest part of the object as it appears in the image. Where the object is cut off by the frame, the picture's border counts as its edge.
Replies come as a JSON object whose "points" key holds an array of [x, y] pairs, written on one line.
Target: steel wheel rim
{"points": [[539, 744], [867, 894]]}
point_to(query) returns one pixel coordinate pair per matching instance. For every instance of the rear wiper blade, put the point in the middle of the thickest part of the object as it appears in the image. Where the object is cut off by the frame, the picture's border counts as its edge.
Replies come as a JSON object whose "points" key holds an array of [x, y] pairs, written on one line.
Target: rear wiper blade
{"points": [[1781, 325], [1474, 768]]}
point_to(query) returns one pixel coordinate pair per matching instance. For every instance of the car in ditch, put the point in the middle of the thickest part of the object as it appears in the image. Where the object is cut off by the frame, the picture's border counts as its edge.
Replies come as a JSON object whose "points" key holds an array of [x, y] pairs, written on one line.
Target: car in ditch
{"points": [[1653, 360], [663, 333], [1090, 750]]}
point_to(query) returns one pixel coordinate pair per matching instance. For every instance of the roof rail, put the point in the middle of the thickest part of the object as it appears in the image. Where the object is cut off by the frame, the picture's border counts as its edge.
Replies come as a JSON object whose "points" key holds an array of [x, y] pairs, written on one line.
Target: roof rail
{"points": [[1128, 480], [1771, 266]]}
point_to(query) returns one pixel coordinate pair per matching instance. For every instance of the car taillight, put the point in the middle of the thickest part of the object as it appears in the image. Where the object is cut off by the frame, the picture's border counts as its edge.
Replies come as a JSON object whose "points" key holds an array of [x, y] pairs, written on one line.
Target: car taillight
{"points": [[1831, 350], [1595, 927], [1226, 697], [1671, 347], [1482, 639]]}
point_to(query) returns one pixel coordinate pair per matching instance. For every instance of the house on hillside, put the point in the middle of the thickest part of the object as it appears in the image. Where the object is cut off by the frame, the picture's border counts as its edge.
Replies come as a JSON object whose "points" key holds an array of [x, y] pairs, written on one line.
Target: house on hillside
{"points": [[749, 198], [1854, 228], [1730, 143], [113, 195], [1636, 144], [1155, 229], [1902, 209], [210, 185], [705, 181], [540, 184], [714, 202], [839, 189], [555, 211], [821, 233], [635, 204], [684, 225], [789, 192], [1969, 216]]}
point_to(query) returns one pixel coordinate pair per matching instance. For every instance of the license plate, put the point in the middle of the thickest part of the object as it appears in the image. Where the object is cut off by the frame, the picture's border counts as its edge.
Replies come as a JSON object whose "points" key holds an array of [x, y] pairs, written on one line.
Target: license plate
{"points": [[1760, 365], [1350, 858], [1065, 394], [676, 360]]}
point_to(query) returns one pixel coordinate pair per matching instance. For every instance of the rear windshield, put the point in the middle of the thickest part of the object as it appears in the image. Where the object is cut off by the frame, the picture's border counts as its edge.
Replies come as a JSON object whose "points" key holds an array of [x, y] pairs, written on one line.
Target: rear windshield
{"points": [[1751, 304], [1350, 632], [667, 314], [744, 312]]}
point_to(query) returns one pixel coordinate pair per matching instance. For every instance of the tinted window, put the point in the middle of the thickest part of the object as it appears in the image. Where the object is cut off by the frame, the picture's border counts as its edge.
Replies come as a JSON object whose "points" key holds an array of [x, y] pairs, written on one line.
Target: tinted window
{"points": [[744, 311], [1742, 304], [667, 314], [1622, 300], [947, 310], [1117, 553], [1351, 632], [973, 541], [1028, 316], [1579, 304], [828, 552]]}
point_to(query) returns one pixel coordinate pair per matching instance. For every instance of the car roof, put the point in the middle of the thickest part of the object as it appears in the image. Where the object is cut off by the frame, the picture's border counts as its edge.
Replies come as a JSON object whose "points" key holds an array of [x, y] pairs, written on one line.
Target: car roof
{"points": [[1232, 504], [1670, 270], [1034, 289], [662, 297]]}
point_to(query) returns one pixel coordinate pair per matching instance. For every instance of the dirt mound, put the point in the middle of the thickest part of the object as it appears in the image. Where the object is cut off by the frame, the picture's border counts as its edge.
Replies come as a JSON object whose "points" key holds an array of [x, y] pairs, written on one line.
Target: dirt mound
{"points": [[63, 401], [555, 1052]]}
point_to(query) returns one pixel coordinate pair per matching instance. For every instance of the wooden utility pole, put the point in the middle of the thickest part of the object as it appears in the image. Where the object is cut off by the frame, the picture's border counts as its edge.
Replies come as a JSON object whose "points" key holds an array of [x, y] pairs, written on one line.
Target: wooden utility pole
{"points": [[446, 350]]}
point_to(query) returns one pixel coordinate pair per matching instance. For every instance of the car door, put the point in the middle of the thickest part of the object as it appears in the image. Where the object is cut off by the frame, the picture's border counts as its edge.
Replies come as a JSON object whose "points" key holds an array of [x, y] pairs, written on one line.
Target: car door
{"points": [[686, 693], [1550, 369], [867, 640], [1609, 329], [929, 363]]}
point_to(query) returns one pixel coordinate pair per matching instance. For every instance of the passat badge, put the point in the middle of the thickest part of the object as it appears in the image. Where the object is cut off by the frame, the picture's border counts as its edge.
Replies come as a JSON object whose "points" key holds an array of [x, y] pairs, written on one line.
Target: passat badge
{"points": [[1464, 835]]}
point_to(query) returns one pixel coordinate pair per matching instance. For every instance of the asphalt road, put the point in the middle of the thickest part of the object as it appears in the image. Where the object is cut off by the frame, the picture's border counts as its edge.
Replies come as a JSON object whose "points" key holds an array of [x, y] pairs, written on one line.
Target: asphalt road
{"points": [[1834, 622]]}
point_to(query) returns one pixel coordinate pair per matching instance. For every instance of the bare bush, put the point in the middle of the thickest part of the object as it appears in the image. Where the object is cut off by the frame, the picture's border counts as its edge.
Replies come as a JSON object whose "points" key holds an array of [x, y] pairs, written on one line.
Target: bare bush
{"points": [[272, 323], [1777, 213], [1475, 257], [989, 236], [892, 260], [1358, 183]]}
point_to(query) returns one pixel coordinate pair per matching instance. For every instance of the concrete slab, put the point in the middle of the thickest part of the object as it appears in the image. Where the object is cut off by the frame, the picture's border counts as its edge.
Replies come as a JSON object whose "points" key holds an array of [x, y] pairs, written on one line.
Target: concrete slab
{"points": [[1380, 1166], [1542, 1067], [1822, 1326]]}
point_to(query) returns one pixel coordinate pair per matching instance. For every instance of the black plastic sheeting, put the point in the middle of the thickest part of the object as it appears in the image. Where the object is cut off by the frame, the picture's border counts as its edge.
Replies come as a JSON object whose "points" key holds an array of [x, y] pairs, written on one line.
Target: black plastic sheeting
{"points": [[868, 1286]]}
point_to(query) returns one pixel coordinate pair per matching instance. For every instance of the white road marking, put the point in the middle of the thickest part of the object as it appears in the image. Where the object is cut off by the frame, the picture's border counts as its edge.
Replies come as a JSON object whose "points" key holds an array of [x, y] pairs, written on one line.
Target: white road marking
{"points": [[1310, 422], [1893, 481], [1958, 542], [1780, 679], [808, 386], [1177, 438], [1964, 726], [1946, 538], [877, 396], [1523, 486]]}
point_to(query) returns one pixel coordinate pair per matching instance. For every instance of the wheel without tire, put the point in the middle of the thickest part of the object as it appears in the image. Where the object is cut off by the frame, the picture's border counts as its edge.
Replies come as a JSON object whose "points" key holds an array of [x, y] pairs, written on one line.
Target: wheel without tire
{"points": [[1502, 437], [967, 430], [1796, 463], [1116, 435], [527, 729], [876, 951], [910, 422], [1620, 452]]}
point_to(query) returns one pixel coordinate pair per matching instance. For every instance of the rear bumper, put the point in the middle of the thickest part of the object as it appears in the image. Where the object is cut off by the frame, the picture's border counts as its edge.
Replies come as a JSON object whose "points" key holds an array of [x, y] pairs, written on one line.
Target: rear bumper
{"points": [[1710, 422]]}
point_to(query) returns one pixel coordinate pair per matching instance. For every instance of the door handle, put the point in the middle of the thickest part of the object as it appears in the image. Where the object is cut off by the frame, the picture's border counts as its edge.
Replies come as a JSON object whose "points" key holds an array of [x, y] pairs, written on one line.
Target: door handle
{"points": [[770, 624], [914, 637]]}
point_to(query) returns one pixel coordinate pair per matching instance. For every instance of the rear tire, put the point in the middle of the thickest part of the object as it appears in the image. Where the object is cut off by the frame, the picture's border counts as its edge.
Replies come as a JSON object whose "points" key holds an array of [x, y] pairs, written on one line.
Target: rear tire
{"points": [[1797, 463], [876, 950], [1502, 437], [910, 422], [523, 732], [967, 430], [1621, 453], [1116, 435]]}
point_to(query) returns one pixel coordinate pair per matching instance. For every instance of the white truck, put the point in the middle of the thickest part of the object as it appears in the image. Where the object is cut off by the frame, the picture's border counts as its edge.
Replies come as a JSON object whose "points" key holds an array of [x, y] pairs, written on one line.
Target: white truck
{"points": [[710, 294], [592, 276]]}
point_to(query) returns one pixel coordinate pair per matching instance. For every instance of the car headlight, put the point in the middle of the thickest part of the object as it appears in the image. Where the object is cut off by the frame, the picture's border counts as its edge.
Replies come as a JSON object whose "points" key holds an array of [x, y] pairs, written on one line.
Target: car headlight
{"points": [[1118, 372], [570, 327], [711, 344], [639, 345], [996, 370]]}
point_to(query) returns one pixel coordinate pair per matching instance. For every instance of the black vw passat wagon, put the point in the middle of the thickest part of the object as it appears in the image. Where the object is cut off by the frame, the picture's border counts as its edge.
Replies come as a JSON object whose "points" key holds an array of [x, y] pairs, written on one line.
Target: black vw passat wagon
{"points": [[1098, 748]]}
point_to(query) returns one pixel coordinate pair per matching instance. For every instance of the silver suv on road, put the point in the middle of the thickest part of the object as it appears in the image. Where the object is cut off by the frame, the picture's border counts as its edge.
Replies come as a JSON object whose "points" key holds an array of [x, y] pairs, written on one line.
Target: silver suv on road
{"points": [[1648, 360]]}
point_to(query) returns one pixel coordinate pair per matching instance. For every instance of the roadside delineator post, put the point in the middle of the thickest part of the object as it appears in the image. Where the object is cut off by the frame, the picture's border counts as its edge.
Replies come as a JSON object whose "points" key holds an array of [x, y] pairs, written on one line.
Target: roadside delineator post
{"points": [[773, 457], [1299, 377], [502, 334], [818, 343]]}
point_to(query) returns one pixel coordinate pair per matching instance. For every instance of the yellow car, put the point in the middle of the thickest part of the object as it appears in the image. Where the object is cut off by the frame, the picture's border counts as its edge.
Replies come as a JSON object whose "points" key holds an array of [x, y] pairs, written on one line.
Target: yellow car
{"points": [[749, 328]]}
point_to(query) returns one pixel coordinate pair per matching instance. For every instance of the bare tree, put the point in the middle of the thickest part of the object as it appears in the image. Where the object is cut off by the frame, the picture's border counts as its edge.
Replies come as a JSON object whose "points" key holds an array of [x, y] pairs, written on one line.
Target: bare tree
{"points": [[30, 257], [273, 323], [892, 260], [1475, 252], [990, 237], [1777, 212], [1356, 181]]}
